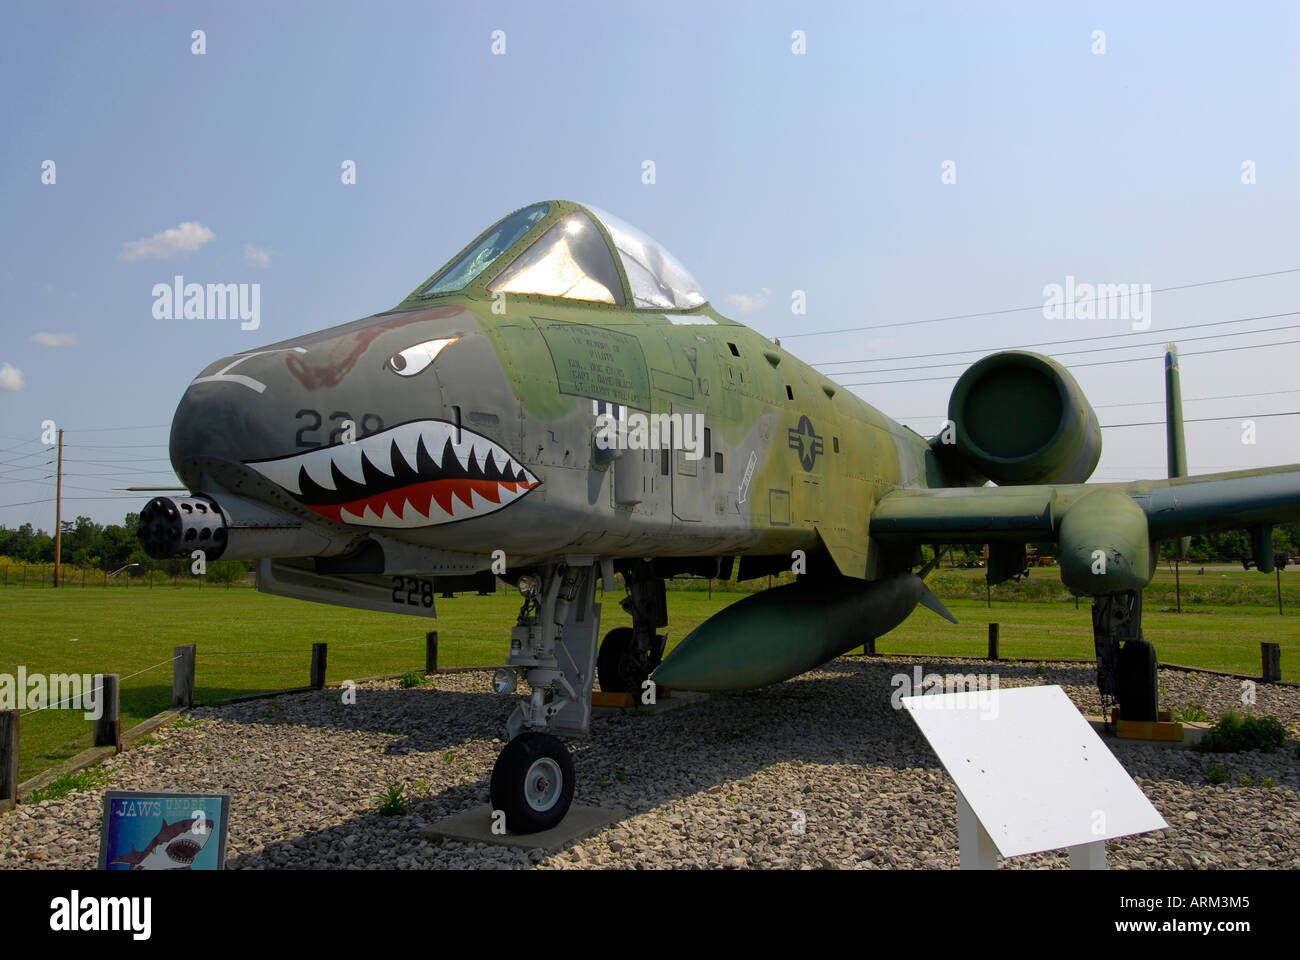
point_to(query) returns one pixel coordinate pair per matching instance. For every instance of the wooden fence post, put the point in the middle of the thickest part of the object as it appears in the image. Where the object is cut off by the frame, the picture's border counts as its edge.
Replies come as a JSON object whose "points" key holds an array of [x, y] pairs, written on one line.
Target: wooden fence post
{"points": [[993, 641], [183, 676], [9, 755], [1271, 654], [318, 653], [431, 652], [108, 726]]}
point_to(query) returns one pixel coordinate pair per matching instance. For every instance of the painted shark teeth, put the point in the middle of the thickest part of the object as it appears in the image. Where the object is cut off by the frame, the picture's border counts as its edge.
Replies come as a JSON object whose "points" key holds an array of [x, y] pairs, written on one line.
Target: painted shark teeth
{"points": [[418, 474]]}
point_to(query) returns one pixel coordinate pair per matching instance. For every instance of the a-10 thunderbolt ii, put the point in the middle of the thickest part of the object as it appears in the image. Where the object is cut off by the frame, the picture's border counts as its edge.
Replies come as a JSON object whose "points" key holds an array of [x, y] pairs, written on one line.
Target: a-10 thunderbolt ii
{"points": [[560, 402]]}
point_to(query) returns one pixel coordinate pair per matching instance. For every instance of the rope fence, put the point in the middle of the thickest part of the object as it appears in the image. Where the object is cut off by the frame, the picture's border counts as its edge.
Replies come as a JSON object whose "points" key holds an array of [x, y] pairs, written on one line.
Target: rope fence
{"points": [[107, 702]]}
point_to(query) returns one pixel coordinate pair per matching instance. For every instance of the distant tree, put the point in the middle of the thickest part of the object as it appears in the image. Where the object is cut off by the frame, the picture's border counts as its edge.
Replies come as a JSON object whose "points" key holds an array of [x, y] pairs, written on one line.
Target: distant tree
{"points": [[116, 546], [40, 549]]}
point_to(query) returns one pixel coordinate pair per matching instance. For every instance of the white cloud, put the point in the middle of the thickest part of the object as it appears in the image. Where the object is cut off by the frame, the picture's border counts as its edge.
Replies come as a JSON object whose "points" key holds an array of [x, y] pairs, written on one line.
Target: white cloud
{"points": [[173, 242], [746, 302], [257, 256], [11, 378], [55, 339]]}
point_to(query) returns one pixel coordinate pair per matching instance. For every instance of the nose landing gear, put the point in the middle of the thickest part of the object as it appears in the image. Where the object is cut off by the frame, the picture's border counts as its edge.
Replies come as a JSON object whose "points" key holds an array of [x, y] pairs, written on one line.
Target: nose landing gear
{"points": [[553, 648], [532, 782]]}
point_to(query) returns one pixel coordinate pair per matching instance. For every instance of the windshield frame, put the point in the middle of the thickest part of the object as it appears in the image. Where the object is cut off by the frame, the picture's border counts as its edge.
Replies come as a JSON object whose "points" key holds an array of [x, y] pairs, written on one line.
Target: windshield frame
{"points": [[557, 210], [457, 262]]}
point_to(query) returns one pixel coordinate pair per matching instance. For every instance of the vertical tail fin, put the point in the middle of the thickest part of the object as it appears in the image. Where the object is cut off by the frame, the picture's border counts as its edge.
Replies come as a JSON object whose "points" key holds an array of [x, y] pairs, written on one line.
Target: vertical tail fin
{"points": [[1175, 442]]}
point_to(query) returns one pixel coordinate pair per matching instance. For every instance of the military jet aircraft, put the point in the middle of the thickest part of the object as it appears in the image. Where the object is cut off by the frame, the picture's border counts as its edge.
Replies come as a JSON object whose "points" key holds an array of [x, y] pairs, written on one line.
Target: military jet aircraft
{"points": [[560, 402]]}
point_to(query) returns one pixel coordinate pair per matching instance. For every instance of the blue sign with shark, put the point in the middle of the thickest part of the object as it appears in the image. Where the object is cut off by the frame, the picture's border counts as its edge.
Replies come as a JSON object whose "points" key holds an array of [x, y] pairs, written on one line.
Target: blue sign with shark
{"points": [[164, 831]]}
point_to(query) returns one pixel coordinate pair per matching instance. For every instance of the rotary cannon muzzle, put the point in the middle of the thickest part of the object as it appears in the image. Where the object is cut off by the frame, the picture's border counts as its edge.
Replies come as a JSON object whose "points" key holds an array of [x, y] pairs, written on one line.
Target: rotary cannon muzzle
{"points": [[170, 526]]}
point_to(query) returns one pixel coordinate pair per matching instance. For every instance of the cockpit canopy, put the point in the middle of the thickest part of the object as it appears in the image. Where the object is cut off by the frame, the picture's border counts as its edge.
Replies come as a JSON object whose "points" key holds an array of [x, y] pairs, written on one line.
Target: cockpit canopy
{"points": [[561, 250]]}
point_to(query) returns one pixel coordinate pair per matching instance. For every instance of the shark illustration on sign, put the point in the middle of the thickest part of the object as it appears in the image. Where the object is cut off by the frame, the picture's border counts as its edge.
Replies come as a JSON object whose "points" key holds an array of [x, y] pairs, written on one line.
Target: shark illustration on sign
{"points": [[174, 847]]}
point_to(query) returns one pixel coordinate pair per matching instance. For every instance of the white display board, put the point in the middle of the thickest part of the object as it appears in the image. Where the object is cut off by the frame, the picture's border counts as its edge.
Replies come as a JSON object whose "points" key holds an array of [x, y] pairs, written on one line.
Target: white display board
{"points": [[1032, 769]]}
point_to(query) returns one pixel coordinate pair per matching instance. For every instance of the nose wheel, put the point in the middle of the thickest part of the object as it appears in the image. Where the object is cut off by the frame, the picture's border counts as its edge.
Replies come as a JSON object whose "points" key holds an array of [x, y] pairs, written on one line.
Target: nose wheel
{"points": [[532, 782]]}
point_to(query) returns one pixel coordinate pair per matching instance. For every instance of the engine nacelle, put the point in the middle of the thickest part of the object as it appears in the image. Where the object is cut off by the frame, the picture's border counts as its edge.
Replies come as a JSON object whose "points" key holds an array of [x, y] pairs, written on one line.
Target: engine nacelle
{"points": [[1021, 418]]}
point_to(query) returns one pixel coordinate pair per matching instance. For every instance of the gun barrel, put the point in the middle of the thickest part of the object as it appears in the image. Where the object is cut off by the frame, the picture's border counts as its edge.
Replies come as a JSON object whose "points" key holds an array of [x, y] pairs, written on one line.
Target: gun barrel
{"points": [[174, 525]]}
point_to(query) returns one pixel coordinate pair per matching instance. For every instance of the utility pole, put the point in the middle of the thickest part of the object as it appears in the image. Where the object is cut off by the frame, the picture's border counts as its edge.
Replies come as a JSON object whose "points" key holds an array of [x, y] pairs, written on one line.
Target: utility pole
{"points": [[58, 512]]}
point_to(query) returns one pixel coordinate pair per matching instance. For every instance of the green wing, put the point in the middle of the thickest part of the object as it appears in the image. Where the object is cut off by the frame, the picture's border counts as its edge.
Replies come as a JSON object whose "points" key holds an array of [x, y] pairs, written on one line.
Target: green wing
{"points": [[1106, 532], [1173, 508]]}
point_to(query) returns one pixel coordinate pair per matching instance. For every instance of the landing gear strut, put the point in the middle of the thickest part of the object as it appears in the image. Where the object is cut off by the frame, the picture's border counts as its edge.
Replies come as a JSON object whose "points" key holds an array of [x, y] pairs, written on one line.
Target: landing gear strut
{"points": [[629, 655], [1126, 663], [552, 649]]}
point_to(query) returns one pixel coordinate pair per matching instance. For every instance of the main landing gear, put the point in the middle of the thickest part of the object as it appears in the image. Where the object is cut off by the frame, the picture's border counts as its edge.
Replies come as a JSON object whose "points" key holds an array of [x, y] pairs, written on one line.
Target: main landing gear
{"points": [[1126, 663], [628, 655]]}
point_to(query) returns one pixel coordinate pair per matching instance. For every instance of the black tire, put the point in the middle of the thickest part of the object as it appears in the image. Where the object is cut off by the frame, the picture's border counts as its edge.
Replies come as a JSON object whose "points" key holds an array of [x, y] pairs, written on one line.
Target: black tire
{"points": [[523, 783], [1135, 684], [613, 664]]}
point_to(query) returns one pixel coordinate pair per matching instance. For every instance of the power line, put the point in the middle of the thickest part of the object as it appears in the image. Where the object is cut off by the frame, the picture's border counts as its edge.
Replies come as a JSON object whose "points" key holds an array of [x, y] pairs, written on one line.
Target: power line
{"points": [[1165, 335], [129, 460], [147, 426], [29, 466], [1226, 396], [1133, 403], [1161, 423], [16, 445], [1157, 423], [1071, 353], [116, 476], [1037, 306], [28, 456], [27, 503], [1076, 366]]}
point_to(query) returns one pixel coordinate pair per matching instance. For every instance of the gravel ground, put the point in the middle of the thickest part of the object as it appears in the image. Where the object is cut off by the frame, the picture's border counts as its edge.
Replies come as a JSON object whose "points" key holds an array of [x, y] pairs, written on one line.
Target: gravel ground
{"points": [[713, 784]]}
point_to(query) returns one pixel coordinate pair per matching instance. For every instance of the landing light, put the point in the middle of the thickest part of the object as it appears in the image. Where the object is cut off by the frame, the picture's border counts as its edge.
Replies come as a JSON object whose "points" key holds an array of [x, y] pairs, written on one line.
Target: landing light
{"points": [[504, 681], [529, 585]]}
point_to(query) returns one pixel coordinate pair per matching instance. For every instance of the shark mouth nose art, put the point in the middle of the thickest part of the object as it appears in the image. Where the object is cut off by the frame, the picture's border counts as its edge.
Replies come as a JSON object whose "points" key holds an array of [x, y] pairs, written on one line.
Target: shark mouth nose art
{"points": [[418, 474]]}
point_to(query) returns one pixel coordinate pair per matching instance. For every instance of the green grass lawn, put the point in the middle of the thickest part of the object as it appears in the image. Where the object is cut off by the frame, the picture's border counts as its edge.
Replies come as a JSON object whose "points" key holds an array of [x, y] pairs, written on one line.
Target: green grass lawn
{"points": [[249, 642]]}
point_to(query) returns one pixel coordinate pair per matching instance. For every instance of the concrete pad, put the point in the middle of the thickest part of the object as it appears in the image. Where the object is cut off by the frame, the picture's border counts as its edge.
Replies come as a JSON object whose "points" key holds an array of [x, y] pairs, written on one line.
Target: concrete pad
{"points": [[476, 825], [679, 698]]}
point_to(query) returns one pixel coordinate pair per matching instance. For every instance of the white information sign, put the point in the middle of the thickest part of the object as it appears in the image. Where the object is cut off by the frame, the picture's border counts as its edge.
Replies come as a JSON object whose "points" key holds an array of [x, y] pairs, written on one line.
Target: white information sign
{"points": [[1033, 773]]}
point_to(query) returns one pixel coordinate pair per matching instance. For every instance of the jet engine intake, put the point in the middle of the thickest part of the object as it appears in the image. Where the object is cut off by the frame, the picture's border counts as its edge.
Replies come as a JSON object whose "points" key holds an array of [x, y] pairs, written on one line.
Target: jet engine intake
{"points": [[1020, 418]]}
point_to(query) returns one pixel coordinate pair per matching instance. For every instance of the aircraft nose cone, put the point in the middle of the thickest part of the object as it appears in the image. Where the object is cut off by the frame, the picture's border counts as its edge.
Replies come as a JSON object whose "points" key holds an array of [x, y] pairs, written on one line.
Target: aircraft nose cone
{"points": [[228, 418]]}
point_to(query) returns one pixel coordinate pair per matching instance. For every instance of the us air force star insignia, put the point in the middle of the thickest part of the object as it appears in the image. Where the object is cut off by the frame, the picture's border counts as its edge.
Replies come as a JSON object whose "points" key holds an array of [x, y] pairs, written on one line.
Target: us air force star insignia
{"points": [[806, 441]]}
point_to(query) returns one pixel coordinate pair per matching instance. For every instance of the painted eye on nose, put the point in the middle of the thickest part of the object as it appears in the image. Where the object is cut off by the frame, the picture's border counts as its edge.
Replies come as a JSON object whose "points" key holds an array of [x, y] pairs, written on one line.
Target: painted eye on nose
{"points": [[412, 360]]}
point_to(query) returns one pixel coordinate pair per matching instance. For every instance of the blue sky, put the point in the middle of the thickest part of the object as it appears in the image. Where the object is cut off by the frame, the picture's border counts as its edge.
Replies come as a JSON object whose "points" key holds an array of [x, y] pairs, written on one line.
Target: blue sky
{"points": [[775, 172]]}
